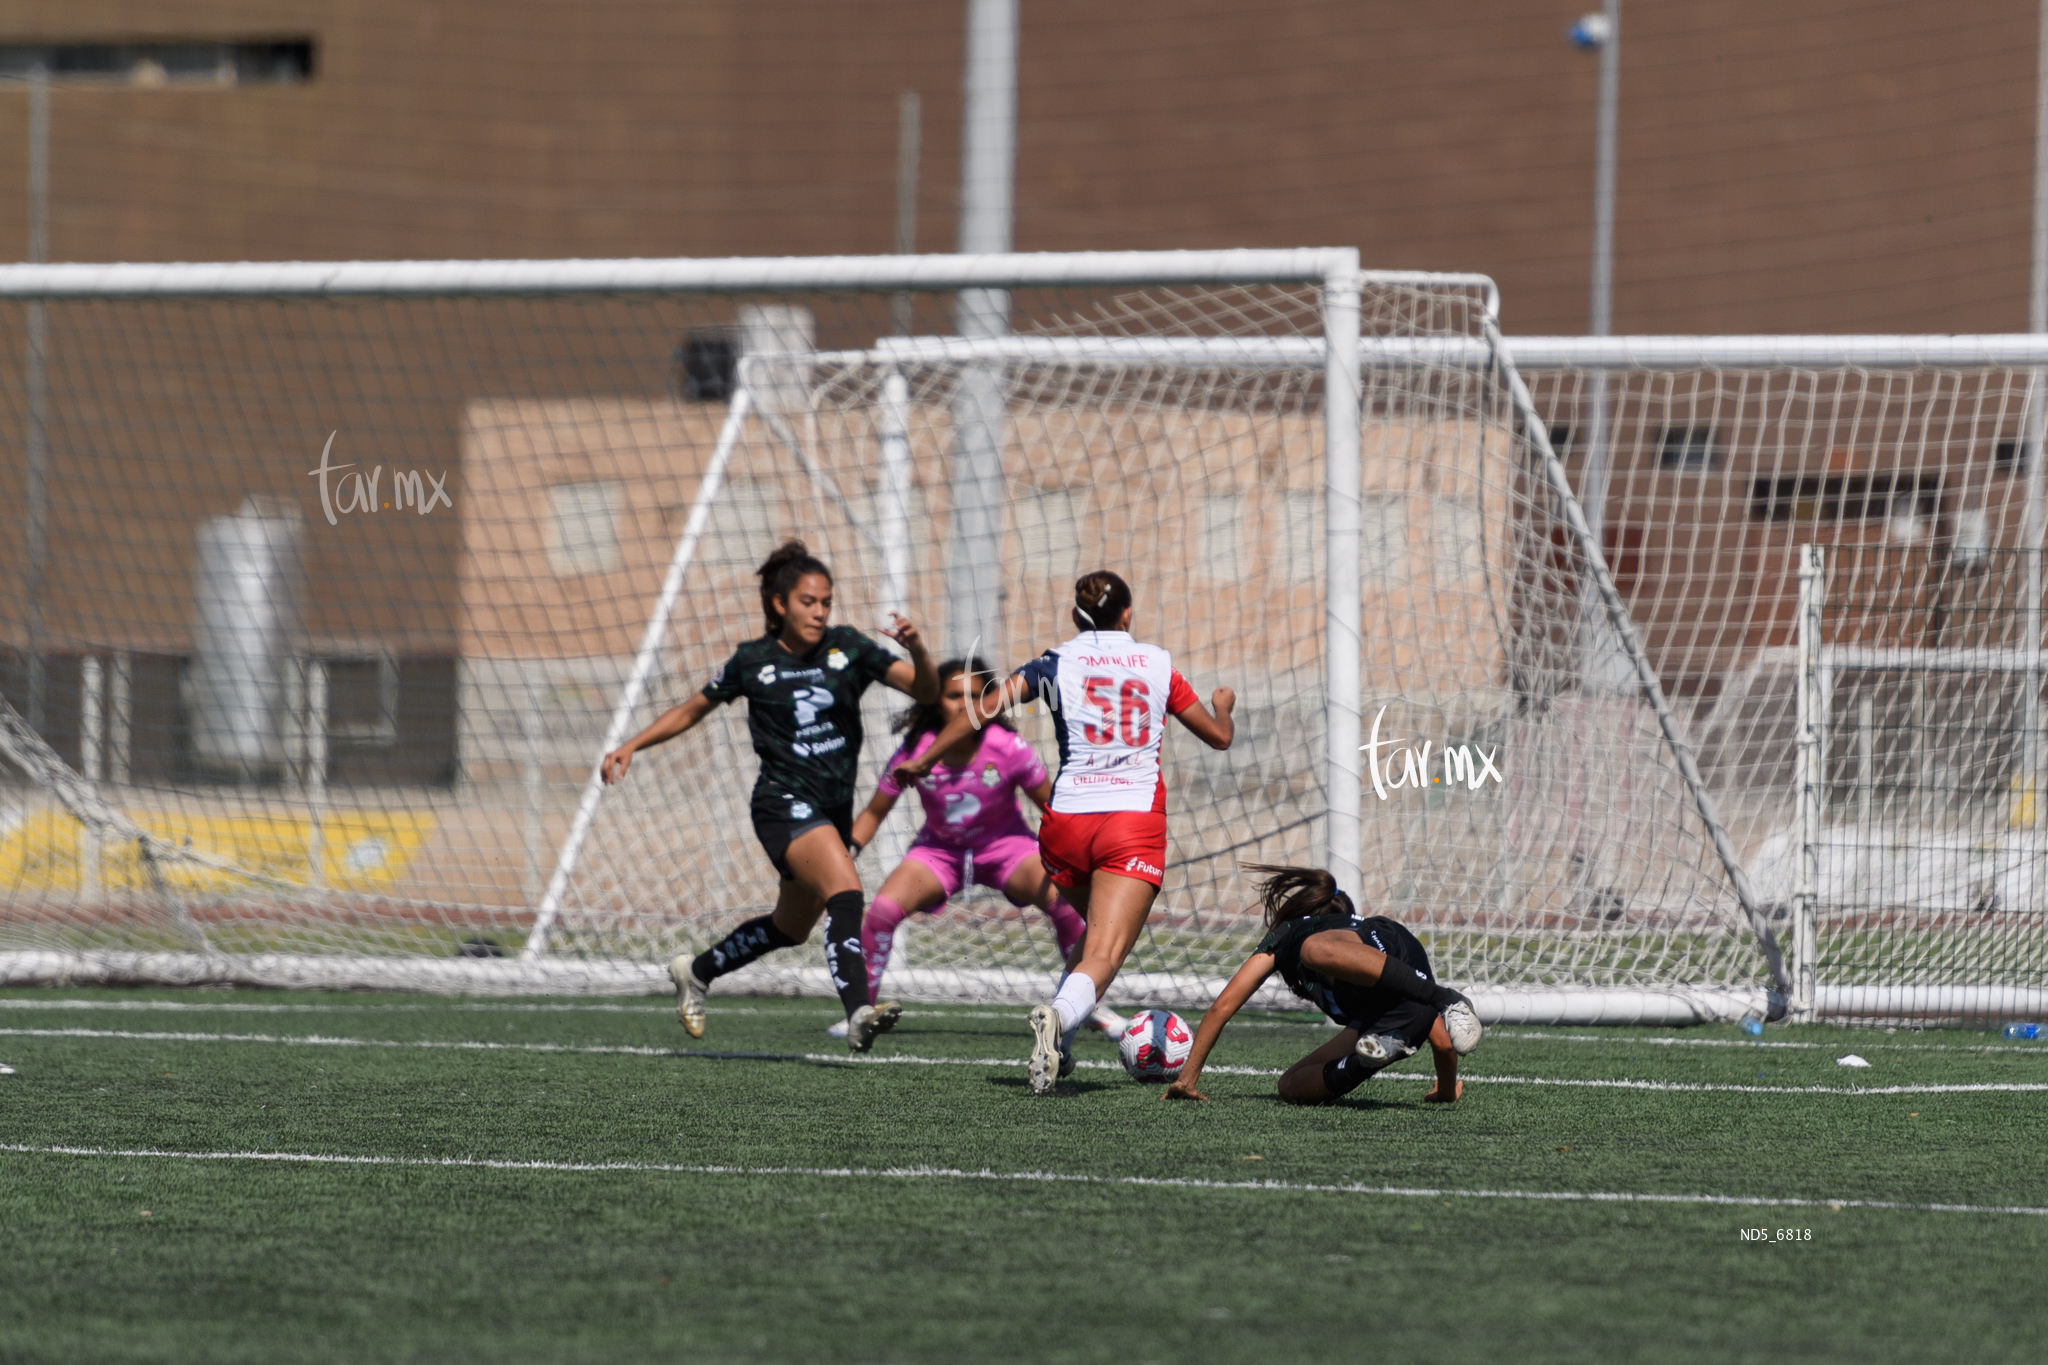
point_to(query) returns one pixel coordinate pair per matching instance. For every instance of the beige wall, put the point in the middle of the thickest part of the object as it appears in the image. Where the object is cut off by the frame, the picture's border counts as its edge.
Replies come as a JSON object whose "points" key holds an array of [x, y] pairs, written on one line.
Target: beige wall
{"points": [[1164, 497], [1858, 168]]}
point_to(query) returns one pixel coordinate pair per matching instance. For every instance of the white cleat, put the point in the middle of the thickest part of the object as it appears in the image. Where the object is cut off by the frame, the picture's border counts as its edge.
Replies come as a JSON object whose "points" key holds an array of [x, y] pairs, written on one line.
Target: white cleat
{"points": [[689, 996], [1381, 1050], [870, 1022], [1045, 1049], [1463, 1025], [836, 1030], [1107, 1021]]}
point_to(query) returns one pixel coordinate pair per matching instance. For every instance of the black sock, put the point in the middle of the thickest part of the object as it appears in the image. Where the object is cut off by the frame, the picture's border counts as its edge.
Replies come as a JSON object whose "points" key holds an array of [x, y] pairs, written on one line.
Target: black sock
{"points": [[843, 959], [1346, 1074], [1402, 979], [756, 938]]}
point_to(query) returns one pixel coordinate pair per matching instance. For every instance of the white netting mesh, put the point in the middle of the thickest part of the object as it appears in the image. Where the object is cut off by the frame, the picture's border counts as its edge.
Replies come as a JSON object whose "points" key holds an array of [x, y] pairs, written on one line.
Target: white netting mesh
{"points": [[372, 753], [1201, 483], [1930, 856]]}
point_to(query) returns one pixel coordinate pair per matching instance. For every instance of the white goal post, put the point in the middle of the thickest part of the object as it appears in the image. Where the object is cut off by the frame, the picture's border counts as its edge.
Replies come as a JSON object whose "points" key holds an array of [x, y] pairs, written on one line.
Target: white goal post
{"points": [[381, 772]]}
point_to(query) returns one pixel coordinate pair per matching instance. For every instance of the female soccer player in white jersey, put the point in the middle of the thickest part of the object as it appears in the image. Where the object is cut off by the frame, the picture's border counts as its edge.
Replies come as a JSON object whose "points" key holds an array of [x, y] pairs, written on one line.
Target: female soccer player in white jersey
{"points": [[803, 681], [1367, 973], [1103, 838], [973, 828]]}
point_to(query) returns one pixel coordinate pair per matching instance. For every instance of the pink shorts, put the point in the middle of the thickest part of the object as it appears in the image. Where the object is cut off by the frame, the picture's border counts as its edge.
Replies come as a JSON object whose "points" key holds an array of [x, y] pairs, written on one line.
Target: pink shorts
{"points": [[994, 860]]}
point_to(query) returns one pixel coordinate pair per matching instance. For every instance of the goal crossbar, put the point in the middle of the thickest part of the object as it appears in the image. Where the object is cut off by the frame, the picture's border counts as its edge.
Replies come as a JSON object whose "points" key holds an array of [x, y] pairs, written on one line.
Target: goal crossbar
{"points": [[731, 275], [1651, 353]]}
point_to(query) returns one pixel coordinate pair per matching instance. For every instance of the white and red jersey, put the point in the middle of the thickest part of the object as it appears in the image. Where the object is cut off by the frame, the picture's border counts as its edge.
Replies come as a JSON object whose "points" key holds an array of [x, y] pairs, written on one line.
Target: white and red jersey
{"points": [[1110, 697]]}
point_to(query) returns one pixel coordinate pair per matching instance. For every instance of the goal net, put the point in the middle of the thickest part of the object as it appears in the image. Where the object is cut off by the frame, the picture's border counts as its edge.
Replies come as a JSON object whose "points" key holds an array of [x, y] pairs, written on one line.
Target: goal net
{"points": [[1832, 550], [336, 581]]}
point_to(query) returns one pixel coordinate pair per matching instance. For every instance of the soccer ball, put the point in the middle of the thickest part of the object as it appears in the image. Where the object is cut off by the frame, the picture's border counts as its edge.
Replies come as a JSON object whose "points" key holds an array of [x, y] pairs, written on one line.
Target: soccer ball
{"points": [[1155, 1045]]}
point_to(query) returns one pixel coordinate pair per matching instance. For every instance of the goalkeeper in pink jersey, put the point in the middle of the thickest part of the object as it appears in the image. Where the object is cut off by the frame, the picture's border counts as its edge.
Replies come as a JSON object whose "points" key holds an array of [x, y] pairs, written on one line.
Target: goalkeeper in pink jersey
{"points": [[973, 827], [1103, 838]]}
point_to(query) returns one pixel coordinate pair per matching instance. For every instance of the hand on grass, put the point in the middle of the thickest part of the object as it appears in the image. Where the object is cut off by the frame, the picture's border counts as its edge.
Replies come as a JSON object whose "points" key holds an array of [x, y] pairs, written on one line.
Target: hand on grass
{"points": [[1436, 1094], [1182, 1089]]}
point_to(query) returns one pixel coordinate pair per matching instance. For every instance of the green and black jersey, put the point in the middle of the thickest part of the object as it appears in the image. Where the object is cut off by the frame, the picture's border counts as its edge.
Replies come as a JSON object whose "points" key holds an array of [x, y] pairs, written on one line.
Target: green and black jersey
{"points": [[803, 713]]}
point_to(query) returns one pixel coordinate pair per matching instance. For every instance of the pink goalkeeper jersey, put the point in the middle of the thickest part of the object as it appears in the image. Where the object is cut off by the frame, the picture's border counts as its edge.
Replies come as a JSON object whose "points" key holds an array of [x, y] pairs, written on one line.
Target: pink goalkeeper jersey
{"points": [[969, 806]]}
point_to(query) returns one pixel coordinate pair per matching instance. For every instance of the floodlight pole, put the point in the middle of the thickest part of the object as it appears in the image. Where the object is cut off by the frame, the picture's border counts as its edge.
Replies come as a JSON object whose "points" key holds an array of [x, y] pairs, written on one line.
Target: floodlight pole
{"points": [[1606, 38], [988, 160], [2036, 425], [38, 436], [909, 155], [1600, 32]]}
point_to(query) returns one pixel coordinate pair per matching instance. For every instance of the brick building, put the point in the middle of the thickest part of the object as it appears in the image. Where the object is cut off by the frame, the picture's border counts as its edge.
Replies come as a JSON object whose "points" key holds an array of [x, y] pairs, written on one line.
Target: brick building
{"points": [[1854, 168]]}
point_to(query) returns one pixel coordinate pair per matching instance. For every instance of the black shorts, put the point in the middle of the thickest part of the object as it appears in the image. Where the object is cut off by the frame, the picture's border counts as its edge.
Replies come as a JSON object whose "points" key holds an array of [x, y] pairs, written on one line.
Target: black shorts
{"points": [[1376, 1010], [777, 835], [1411, 1020]]}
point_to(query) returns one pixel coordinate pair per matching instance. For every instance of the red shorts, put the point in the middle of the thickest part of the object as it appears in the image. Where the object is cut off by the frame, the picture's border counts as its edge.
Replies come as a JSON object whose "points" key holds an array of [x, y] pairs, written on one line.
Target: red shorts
{"points": [[1130, 843]]}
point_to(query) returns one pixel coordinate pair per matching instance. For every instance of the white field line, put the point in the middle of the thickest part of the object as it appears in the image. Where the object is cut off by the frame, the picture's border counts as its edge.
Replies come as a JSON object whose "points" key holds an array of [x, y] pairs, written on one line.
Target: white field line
{"points": [[1018, 1177], [653, 1005], [908, 1059], [593, 1050], [1849, 1042], [658, 1005]]}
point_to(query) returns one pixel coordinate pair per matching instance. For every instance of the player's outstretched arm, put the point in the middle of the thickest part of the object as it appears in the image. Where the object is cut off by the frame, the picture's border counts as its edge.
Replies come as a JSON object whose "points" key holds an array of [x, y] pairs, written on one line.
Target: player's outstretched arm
{"points": [[666, 727], [978, 712], [918, 676], [1229, 1001], [1448, 1088], [1215, 730], [870, 819]]}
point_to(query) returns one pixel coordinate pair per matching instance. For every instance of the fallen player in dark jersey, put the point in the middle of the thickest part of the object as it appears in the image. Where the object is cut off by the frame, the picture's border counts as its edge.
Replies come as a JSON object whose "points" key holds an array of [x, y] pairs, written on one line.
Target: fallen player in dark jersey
{"points": [[1369, 975]]}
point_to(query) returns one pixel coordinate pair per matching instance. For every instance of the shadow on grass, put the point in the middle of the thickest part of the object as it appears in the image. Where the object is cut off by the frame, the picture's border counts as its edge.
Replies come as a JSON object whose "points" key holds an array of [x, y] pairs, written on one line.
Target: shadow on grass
{"points": [[1341, 1102], [1069, 1086]]}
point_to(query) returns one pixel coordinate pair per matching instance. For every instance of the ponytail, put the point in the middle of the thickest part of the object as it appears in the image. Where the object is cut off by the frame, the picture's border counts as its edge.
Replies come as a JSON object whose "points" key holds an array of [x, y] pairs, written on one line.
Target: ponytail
{"points": [[1100, 598], [1299, 893], [780, 573]]}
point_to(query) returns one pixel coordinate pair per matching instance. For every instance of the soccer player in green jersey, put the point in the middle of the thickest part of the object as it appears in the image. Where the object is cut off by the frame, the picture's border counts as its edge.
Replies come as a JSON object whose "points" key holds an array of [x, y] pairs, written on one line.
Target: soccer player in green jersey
{"points": [[803, 681]]}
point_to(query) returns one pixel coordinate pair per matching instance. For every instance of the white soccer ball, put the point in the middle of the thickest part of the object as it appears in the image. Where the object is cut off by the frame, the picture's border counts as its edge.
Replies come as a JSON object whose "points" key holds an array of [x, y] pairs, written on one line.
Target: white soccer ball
{"points": [[1155, 1045]]}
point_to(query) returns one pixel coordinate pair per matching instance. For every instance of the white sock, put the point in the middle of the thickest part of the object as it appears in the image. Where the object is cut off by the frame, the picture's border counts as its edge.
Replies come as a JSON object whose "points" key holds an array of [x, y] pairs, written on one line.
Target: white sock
{"points": [[1075, 999]]}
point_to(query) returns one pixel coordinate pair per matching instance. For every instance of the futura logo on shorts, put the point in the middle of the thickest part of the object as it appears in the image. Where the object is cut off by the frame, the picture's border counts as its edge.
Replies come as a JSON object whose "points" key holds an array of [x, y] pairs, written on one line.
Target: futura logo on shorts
{"points": [[1140, 865]]}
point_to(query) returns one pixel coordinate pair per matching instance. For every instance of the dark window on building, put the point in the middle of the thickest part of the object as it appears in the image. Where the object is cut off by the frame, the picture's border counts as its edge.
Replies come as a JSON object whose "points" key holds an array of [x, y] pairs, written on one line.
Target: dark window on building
{"points": [[1845, 497], [1560, 439], [194, 61], [1688, 449], [705, 365], [2008, 457]]}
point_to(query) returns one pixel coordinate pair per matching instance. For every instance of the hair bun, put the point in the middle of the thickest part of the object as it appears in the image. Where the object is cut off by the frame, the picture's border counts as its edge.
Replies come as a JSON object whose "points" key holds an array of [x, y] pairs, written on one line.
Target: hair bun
{"points": [[1100, 597]]}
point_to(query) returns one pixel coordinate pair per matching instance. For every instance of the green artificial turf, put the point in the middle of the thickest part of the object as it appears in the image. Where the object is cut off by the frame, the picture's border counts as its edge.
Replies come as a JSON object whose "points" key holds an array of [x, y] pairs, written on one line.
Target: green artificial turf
{"points": [[828, 1236]]}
